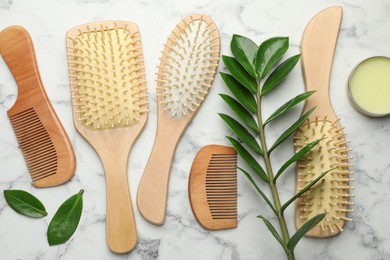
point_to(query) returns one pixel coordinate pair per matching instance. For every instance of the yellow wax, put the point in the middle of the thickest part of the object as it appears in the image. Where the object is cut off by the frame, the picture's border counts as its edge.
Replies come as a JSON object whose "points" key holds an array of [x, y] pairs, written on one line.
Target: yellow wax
{"points": [[370, 85]]}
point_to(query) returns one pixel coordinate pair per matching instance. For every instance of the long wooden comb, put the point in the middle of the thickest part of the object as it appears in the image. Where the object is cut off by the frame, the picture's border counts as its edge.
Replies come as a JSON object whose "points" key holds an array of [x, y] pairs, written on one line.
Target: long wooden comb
{"points": [[44, 143], [212, 187]]}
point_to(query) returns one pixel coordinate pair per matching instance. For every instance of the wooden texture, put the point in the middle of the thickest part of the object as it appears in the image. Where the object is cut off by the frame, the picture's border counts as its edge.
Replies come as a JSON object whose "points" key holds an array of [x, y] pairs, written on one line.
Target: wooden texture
{"points": [[44, 143], [212, 187], [113, 144], [331, 195], [153, 189], [317, 48]]}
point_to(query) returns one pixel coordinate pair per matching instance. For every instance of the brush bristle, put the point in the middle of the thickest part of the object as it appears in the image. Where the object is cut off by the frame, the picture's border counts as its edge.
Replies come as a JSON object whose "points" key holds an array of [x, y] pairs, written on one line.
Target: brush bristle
{"points": [[221, 186], [332, 194], [107, 77], [188, 65]]}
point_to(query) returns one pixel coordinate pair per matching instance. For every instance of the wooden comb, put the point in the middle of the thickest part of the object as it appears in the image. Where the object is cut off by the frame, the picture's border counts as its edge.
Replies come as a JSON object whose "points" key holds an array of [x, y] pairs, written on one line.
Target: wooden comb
{"points": [[332, 194], [187, 69], [109, 96], [212, 187], [44, 143]]}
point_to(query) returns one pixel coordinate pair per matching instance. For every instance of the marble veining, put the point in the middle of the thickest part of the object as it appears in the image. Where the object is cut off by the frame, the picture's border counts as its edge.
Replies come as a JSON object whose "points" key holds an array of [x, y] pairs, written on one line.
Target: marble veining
{"points": [[364, 32]]}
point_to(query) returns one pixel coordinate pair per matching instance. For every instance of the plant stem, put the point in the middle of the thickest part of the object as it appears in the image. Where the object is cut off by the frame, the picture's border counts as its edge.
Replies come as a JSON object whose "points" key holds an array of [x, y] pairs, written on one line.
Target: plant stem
{"points": [[268, 166]]}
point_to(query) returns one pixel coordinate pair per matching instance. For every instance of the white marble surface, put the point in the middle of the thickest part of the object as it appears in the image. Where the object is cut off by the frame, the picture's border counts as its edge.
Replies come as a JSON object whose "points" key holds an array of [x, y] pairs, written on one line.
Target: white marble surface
{"points": [[365, 32]]}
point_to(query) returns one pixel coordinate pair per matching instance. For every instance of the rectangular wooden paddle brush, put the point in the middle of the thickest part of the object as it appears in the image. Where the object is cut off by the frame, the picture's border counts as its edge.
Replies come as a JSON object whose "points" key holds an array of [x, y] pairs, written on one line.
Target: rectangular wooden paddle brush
{"points": [[107, 78], [44, 143]]}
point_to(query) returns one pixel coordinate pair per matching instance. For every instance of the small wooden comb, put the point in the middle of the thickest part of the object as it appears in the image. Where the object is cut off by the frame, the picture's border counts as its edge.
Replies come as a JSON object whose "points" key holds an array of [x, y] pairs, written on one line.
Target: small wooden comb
{"points": [[44, 143], [212, 187]]}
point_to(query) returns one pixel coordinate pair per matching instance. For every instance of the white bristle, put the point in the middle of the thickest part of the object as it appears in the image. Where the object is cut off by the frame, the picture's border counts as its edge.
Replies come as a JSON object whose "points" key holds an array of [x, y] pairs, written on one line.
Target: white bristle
{"points": [[188, 64]]}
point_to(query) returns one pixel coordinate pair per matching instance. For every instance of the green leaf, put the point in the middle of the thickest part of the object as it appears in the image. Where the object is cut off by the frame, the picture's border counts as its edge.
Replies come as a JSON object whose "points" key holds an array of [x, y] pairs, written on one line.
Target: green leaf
{"points": [[258, 189], [270, 51], [296, 157], [303, 230], [66, 220], [291, 130], [25, 203], [248, 158], [279, 74], [288, 105], [241, 112], [242, 133], [274, 232], [239, 73], [243, 95], [245, 50], [306, 188]]}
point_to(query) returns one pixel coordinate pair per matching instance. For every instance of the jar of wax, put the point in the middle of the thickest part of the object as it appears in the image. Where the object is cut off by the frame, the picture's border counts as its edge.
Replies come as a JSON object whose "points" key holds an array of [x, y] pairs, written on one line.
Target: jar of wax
{"points": [[369, 87]]}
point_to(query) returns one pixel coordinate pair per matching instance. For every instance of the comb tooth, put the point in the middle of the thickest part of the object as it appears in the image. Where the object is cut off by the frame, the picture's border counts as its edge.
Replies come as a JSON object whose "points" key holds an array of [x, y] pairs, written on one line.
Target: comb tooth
{"points": [[40, 153], [35, 143], [42, 146], [221, 186], [38, 172], [37, 164]]}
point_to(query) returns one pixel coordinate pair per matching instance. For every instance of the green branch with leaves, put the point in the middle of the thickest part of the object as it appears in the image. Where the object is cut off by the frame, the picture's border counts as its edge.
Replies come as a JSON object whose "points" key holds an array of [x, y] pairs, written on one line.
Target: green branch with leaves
{"points": [[251, 78]]}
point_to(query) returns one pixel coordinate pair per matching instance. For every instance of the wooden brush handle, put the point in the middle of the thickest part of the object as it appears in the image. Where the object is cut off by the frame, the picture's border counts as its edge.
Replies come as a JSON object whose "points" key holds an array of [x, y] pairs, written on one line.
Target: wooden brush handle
{"points": [[120, 224], [153, 188], [318, 48]]}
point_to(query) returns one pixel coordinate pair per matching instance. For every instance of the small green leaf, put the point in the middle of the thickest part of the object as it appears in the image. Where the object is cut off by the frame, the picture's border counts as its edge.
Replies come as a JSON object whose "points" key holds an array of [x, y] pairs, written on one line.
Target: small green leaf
{"points": [[243, 95], [279, 74], [303, 230], [291, 130], [241, 112], [239, 73], [296, 157], [242, 133], [248, 158], [306, 188], [274, 232], [270, 51], [258, 189], [66, 220], [288, 105], [25, 203], [245, 50]]}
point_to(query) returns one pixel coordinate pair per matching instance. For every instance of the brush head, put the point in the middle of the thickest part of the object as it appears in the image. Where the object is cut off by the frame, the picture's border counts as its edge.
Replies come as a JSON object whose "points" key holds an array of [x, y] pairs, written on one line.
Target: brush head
{"points": [[188, 65], [107, 75], [213, 187], [330, 195]]}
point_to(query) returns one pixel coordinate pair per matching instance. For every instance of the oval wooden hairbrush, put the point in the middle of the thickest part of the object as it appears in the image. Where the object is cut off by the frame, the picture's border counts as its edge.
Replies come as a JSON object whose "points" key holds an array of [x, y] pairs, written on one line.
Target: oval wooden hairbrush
{"points": [[42, 139], [186, 72], [109, 97], [332, 194]]}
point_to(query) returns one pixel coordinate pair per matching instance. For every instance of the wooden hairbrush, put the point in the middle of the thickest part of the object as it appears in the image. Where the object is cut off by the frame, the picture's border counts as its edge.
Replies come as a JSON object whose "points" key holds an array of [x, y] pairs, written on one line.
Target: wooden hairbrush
{"points": [[212, 187], [107, 78], [332, 194], [187, 69], [42, 139]]}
